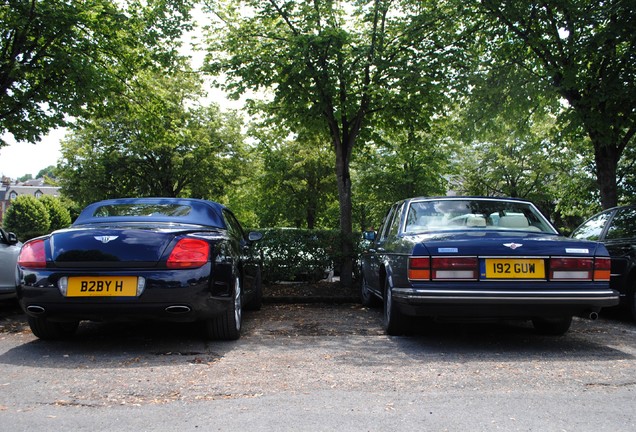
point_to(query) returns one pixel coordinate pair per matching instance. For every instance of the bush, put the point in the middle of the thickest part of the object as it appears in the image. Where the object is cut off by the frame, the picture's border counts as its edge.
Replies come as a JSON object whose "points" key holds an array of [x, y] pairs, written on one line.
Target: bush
{"points": [[298, 254], [27, 217], [59, 215]]}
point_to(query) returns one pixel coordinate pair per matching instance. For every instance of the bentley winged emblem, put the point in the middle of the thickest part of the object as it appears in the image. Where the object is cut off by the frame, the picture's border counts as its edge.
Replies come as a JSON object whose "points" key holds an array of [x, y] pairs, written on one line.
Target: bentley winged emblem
{"points": [[105, 239], [513, 246]]}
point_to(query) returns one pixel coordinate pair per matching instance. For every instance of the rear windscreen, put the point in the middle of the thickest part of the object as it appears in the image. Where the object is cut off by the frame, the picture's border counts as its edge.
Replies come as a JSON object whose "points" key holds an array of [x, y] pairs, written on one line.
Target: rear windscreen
{"points": [[146, 210]]}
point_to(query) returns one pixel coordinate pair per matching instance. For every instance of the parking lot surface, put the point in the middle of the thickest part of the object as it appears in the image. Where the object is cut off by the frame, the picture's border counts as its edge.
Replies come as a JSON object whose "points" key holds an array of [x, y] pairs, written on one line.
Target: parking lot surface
{"points": [[320, 367]]}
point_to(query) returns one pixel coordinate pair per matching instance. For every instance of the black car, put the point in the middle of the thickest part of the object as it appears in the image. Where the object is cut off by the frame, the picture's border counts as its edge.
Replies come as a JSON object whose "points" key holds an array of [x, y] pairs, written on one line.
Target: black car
{"points": [[616, 228], [134, 259], [476, 258]]}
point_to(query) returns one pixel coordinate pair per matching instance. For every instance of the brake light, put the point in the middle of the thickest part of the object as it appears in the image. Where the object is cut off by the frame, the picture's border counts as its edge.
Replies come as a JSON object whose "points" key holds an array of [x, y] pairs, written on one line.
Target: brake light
{"points": [[571, 268], [32, 255], [419, 268], [602, 269], [454, 268], [189, 253]]}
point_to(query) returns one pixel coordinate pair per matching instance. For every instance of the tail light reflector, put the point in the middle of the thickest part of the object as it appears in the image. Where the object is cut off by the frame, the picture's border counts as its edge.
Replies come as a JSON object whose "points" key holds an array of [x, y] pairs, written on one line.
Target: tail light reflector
{"points": [[454, 268], [571, 268], [419, 268], [32, 255], [189, 253], [602, 269]]}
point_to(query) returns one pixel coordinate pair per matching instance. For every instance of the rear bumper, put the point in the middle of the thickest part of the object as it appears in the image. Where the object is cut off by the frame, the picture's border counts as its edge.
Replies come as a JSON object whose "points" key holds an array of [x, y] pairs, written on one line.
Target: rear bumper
{"points": [[502, 303], [182, 296]]}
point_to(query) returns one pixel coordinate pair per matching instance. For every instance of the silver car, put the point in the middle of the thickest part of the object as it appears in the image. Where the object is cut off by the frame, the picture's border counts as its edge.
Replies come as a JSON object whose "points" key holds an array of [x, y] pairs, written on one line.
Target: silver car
{"points": [[9, 250]]}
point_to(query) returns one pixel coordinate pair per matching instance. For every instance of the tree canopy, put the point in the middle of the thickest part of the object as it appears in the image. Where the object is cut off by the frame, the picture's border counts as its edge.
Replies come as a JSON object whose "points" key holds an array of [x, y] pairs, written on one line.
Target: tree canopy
{"points": [[155, 141], [338, 67], [583, 52], [59, 59]]}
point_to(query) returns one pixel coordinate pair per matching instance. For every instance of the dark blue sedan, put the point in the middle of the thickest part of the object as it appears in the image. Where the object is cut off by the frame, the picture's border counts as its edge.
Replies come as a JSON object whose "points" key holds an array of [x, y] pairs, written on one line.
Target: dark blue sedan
{"points": [[481, 258], [132, 259]]}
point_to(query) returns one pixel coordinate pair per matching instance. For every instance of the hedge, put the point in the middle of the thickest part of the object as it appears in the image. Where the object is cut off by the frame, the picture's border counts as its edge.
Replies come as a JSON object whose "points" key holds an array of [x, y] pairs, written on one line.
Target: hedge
{"points": [[291, 254]]}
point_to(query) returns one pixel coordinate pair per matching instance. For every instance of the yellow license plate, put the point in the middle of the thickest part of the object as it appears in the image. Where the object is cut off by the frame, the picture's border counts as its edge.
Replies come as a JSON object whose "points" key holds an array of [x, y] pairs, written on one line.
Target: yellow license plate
{"points": [[92, 286], [509, 268]]}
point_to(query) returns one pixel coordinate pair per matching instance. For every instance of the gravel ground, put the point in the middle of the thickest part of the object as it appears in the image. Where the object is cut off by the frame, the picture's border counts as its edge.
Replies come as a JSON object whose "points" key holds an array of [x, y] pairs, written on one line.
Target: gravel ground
{"points": [[318, 365]]}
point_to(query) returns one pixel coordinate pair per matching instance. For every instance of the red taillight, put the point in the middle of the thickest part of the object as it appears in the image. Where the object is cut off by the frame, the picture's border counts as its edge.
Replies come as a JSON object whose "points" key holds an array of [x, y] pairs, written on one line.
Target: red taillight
{"points": [[419, 268], [32, 255], [189, 253], [454, 268], [602, 269], [571, 268]]}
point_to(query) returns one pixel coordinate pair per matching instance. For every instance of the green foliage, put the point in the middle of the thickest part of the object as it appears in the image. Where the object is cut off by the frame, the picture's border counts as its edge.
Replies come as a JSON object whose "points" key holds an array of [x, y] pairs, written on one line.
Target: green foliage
{"points": [[338, 68], [48, 174], [580, 52], [295, 184], [155, 141], [398, 164], [60, 59], [298, 254], [27, 217], [59, 215]]}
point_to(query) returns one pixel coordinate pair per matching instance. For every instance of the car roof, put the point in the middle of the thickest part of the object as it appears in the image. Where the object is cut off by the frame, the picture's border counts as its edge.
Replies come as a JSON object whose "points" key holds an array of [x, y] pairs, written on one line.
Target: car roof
{"points": [[462, 197], [202, 212]]}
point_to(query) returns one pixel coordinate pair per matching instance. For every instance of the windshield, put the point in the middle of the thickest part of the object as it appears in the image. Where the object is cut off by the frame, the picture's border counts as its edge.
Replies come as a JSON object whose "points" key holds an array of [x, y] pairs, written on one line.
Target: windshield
{"points": [[444, 214]]}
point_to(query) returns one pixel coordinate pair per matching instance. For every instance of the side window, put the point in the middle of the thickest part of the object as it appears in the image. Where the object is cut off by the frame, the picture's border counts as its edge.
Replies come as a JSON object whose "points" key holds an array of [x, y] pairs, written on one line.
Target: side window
{"points": [[592, 229], [386, 224], [623, 224], [395, 225], [233, 225]]}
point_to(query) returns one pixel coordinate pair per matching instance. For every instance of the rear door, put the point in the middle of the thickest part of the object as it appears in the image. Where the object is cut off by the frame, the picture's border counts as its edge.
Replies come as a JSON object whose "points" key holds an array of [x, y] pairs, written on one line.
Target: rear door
{"points": [[620, 240]]}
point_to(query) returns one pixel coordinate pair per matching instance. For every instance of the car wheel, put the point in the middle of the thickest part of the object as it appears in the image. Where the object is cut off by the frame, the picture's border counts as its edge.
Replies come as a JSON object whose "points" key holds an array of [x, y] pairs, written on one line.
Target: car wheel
{"points": [[367, 298], [227, 326], [552, 326], [51, 330], [394, 324]]}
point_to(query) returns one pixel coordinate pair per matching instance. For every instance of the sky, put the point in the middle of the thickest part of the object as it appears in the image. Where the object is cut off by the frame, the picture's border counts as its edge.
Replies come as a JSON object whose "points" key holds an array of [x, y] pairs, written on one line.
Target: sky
{"points": [[18, 159]]}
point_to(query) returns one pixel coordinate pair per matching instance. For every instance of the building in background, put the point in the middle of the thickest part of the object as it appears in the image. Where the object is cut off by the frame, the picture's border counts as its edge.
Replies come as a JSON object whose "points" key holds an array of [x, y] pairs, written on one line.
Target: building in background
{"points": [[10, 190]]}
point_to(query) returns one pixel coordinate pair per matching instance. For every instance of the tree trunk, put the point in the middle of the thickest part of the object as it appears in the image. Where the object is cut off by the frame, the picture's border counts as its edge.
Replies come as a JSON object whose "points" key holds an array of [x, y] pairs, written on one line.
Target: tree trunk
{"points": [[606, 165], [343, 152]]}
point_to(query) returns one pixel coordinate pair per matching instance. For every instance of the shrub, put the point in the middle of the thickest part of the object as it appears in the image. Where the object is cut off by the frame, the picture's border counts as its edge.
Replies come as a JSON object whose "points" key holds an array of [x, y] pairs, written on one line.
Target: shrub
{"points": [[59, 215], [27, 217], [298, 254]]}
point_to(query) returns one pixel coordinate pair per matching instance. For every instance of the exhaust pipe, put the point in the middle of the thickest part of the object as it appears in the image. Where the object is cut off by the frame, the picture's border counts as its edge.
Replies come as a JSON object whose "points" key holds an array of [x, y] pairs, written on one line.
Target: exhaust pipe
{"points": [[35, 310], [591, 315], [178, 309]]}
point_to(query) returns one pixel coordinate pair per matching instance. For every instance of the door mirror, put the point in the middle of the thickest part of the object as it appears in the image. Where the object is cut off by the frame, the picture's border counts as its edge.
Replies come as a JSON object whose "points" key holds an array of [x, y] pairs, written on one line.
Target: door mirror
{"points": [[8, 237], [369, 235], [254, 236]]}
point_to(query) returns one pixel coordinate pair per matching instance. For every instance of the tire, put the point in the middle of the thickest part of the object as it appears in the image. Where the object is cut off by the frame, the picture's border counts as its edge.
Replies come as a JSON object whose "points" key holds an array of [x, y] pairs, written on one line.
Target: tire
{"points": [[552, 326], [52, 330], [394, 321], [227, 326], [367, 298]]}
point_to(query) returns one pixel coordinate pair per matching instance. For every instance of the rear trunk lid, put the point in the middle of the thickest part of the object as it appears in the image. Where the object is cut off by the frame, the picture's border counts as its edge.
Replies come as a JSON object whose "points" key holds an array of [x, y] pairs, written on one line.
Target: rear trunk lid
{"points": [[494, 243], [112, 246]]}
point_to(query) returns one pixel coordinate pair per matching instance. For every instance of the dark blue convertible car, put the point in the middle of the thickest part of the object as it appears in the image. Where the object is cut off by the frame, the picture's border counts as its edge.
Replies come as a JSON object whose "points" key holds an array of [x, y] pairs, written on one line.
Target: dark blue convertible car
{"points": [[481, 258], [142, 259]]}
